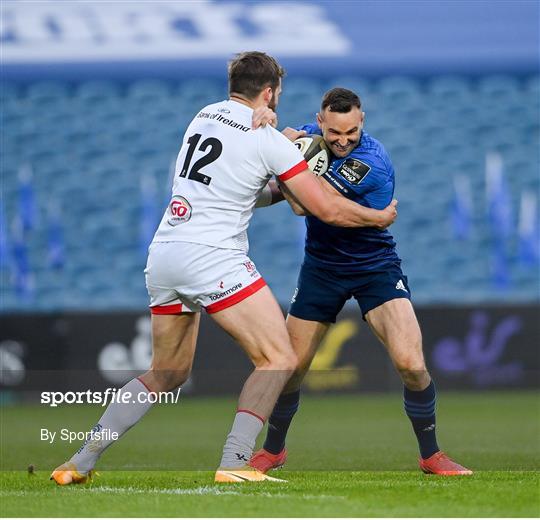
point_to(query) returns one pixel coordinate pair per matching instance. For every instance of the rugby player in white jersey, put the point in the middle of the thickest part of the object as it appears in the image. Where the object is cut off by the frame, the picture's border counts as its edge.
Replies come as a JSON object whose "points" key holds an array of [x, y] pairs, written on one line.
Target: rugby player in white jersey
{"points": [[198, 260]]}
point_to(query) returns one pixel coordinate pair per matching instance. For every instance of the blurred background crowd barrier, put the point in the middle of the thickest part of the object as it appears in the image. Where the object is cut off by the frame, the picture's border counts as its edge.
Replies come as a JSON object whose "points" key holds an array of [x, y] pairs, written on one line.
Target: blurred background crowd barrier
{"points": [[95, 99]]}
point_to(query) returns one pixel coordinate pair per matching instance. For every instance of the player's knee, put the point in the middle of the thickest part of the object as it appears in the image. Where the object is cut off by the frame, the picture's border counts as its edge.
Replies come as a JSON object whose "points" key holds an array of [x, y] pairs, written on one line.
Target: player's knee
{"points": [[410, 362], [167, 380], [284, 360], [414, 375], [291, 361], [278, 355]]}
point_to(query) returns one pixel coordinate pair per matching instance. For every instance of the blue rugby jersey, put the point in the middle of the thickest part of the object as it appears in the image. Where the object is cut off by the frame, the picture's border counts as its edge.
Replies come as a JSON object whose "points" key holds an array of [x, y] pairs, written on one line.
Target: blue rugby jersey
{"points": [[365, 176]]}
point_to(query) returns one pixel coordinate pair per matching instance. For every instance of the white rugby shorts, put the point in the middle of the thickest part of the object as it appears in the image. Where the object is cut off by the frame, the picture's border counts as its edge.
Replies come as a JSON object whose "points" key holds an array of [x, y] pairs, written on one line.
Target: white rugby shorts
{"points": [[188, 277]]}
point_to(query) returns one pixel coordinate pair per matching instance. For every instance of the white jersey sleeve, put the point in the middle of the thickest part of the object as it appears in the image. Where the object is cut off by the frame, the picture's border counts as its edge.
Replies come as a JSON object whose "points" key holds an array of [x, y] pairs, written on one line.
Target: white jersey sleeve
{"points": [[280, 156]]}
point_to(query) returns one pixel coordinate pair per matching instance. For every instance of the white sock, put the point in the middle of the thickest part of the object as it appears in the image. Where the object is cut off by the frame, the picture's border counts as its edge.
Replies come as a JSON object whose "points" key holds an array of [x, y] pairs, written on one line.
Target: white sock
{"points": [[118, 418], [241, 441]]}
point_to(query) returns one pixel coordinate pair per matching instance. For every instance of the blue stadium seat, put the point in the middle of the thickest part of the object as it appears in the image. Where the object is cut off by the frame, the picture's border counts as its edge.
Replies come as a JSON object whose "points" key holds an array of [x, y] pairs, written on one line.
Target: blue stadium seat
{"points": [[98, 90], [397, 92], [47, 92], [532, 84], [195, 94], [361, 86], [301, 102], [449, 88], [498, 86], [149, 90], [9, 91]]}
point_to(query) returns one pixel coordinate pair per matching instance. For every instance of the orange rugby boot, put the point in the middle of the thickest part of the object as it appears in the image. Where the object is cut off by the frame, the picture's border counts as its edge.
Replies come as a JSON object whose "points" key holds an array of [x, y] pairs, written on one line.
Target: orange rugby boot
{"points": [[440, 464], [244, 474], [67, 474]]}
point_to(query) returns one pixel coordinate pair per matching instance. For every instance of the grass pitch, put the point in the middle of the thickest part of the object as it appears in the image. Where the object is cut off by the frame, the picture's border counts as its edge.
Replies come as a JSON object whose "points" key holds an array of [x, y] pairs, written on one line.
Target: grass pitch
{"points": [[349, 456]]}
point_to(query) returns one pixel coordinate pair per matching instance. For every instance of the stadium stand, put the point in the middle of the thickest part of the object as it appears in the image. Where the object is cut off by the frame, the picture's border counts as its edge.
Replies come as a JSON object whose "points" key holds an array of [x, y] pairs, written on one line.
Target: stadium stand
{"points": [[92, 147]]}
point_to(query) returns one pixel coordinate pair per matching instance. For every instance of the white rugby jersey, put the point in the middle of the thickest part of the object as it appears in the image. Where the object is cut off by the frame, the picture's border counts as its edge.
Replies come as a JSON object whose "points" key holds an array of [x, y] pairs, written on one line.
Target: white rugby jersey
{"points": [[221, 168]]}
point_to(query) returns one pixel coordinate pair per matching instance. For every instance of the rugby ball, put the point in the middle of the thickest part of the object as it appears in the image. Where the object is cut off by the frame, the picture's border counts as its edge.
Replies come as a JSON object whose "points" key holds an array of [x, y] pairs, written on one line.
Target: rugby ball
{"points": [[315, 152]]}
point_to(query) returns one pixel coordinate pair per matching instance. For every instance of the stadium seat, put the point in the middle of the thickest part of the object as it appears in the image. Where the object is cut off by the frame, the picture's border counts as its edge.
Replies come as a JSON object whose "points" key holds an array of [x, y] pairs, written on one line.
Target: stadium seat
{"points": [[197, 93], [97, 90], [498, 86], [47, 92], [149, 90], [449, 88]]}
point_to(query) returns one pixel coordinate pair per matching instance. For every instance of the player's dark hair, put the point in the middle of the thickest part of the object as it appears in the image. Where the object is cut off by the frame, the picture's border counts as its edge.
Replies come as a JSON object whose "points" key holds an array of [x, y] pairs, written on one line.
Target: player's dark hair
{"points": [[251, 72], [340, 100]]}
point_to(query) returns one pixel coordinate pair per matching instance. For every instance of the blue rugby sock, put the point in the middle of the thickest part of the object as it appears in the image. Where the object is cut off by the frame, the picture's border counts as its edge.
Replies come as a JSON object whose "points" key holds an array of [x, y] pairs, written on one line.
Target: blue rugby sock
{"points": [[280, 420], [420, 407]]}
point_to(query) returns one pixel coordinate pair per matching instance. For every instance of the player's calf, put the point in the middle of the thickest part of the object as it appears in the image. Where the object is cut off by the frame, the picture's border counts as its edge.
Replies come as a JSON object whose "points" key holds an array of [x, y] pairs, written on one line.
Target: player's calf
{"points": [[165, 380], [420, 408], [117, 419]]}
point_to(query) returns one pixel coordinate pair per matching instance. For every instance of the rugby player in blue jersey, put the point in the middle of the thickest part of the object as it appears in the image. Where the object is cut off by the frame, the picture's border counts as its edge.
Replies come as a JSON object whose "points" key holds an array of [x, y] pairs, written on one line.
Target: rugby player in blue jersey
{"points": [[342, 263]]}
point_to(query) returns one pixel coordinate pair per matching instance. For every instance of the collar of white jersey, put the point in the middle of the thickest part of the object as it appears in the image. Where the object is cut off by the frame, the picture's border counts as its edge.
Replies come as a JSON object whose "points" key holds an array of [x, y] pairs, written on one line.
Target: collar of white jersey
{"points": [[238, 105]]}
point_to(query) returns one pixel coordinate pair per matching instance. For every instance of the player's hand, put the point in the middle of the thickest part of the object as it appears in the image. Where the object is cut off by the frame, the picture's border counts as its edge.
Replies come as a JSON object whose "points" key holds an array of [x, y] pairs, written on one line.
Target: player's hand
{"points": [[292, 134], [388, 215], [263, 116]]}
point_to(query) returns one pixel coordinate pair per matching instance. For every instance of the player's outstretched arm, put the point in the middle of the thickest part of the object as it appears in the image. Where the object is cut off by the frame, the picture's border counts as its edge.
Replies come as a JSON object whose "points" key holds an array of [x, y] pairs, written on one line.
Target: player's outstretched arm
{"points": [[292, 200], [332, 208], [271, 194]]}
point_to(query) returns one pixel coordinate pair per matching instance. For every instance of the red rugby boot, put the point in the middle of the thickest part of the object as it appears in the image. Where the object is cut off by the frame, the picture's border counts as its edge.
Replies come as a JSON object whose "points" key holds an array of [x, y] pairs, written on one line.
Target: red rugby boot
{"points": [[264, 461], [440, 464]]}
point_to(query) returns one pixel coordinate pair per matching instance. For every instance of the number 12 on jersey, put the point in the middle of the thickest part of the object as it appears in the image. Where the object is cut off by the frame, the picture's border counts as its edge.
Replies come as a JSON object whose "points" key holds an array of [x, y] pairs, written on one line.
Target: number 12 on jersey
{"points": [[194, 172]]}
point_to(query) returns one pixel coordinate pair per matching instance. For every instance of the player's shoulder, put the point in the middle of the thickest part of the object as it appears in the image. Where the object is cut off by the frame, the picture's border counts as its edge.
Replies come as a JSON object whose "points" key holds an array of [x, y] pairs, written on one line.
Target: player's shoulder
{"points": [[272, 135], [216, 104], [213, 107], [371, 146], [274, 146], [372, 152], [310, 128]]}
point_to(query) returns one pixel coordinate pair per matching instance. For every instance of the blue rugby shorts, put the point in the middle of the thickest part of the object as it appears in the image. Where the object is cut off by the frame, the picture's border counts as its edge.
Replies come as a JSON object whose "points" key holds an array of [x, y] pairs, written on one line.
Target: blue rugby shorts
{"points": [[321, 293]]}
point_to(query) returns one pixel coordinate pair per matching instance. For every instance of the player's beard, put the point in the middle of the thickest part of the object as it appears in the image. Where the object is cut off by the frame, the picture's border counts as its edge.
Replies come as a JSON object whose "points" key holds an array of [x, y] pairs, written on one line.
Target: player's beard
{"points": [[272, 103], [343, 152]]}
